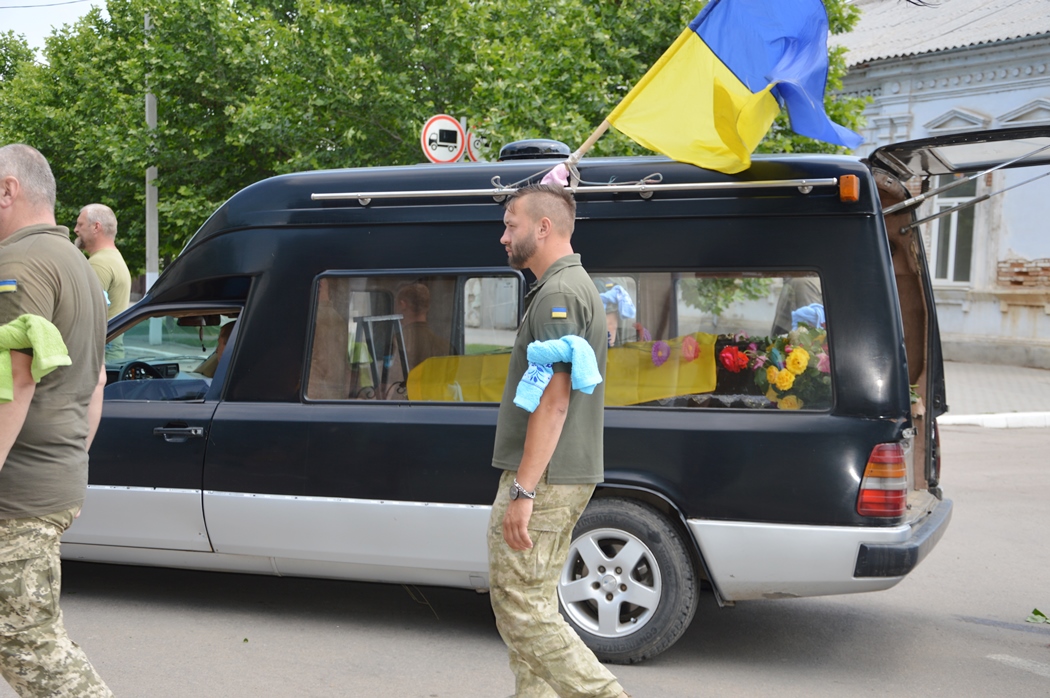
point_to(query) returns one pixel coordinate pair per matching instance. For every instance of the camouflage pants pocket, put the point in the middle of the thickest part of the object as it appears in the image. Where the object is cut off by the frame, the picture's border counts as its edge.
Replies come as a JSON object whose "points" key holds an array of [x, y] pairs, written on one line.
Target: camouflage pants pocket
{"points": [[28, 594]]}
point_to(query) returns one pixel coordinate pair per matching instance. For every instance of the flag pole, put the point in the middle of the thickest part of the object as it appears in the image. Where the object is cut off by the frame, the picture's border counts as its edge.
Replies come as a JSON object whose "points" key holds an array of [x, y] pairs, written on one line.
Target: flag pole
{"points": [[588, 144], [563, 172]]}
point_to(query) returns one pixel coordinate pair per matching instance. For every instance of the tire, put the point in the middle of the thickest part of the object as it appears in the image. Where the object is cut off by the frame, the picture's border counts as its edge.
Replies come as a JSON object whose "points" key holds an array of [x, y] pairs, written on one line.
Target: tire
{"points": [[628, 587]]}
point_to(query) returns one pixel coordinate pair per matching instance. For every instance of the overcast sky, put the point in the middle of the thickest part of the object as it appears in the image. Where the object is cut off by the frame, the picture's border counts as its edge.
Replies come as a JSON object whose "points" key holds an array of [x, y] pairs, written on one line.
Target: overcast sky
{"points": [[36, 18]]}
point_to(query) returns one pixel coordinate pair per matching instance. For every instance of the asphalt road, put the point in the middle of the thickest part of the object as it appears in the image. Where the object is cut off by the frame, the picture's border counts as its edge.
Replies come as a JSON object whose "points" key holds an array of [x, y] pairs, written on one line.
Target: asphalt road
{"points": [[955, 627]]}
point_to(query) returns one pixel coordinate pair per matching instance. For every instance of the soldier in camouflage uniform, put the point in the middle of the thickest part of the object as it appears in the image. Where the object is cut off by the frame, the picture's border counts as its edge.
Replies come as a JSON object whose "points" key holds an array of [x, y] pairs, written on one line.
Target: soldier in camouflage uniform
{"points": [[45, 429], [551, 458]]}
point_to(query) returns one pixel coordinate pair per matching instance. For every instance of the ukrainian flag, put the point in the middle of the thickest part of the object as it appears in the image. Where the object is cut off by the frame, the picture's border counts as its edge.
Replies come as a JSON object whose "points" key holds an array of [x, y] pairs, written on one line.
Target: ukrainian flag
{"points": [[715, 92]]}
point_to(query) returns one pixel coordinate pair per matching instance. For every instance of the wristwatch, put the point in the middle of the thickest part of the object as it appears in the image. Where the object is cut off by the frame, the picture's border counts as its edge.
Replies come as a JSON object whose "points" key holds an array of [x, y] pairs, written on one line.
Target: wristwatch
{"points": [[517, 490]]}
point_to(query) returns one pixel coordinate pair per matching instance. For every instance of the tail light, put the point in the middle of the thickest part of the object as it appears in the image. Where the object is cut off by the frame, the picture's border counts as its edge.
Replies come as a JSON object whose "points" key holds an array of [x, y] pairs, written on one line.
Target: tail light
{"points": [[884, 489]]}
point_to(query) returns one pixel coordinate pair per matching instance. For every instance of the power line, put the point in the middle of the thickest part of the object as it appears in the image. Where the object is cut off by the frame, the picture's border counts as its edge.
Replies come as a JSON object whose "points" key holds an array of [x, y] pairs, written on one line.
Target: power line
{"points": [[50, 4]]}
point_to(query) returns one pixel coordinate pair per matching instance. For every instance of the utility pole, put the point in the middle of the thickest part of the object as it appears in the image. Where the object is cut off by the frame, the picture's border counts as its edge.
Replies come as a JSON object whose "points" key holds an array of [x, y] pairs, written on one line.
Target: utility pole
{"points": [[152, 264], [156, 327]]}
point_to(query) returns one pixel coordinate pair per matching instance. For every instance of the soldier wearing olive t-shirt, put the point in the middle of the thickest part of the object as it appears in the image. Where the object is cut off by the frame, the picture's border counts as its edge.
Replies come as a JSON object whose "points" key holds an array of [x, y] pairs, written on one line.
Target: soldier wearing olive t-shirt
{"points": [[96, 231], [45, 428], [552, 458]]}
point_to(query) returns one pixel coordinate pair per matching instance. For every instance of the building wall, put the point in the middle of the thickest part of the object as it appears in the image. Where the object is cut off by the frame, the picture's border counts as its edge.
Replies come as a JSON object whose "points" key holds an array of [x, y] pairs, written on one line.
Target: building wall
{"points": [[1002, 313]]}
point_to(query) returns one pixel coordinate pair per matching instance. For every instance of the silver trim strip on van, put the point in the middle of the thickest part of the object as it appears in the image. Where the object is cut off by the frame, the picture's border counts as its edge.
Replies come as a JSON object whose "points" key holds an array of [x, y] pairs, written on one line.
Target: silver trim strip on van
{"points": [[772, 561], [146, 517], [378, 540], [803, 185]]}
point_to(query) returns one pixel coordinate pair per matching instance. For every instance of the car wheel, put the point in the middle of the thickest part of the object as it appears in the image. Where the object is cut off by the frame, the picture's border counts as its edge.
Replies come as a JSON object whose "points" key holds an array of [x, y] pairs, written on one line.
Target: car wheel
{"points": [[628, 587]]}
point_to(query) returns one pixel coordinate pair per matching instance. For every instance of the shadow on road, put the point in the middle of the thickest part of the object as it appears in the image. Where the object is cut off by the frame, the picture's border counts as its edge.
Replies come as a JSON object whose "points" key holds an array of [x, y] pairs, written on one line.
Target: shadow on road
{"points": [[330, 601]]}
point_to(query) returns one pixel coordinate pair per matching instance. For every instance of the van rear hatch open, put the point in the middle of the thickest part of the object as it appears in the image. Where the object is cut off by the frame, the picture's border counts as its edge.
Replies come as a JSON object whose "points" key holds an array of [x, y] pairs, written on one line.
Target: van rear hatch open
{"points": [[905, 175]]}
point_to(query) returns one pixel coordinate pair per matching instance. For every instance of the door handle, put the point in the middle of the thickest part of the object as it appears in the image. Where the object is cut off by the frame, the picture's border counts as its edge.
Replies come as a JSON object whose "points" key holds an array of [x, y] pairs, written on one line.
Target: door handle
{"points": [[178, 435]]}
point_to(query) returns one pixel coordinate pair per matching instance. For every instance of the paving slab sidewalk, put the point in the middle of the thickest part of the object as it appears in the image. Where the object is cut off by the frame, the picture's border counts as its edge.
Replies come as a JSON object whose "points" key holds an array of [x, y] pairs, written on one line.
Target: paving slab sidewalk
{"points": [[996, 396]]}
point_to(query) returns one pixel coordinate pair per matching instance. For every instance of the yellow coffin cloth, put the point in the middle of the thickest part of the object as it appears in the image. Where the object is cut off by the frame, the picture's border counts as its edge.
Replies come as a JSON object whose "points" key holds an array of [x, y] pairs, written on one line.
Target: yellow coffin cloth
{"points": [[631, 375]]}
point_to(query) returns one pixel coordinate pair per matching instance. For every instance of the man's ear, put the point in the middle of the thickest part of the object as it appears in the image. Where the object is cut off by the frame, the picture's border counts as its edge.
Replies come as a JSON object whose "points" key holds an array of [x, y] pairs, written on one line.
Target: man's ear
{"points": [[9, 187], [545, 227]]}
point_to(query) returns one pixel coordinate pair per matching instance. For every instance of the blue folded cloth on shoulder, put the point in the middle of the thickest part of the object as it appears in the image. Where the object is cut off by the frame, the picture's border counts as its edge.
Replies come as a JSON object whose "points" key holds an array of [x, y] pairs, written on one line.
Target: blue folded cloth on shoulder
{"points": [[812, 315], [542, 357]]}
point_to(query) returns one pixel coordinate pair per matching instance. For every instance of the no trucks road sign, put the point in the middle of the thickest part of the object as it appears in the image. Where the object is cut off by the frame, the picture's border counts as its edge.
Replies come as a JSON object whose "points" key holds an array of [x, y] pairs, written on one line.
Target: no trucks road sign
{"points": [[443, 139]]}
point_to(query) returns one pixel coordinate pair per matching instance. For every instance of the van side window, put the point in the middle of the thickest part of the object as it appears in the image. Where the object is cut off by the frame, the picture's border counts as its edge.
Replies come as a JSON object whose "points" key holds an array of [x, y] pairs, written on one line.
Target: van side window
{"points": [[738, 340], [167, 357], [439, 338]]}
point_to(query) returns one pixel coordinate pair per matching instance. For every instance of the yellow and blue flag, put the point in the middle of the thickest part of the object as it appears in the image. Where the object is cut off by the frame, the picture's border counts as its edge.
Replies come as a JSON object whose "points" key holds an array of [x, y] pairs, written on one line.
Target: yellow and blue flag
{"points": [[715, 92]]}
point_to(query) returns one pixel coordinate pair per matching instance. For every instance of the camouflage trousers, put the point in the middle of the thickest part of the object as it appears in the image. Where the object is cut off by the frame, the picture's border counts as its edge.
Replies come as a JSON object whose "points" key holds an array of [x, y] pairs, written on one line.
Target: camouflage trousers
{"points": [[547, 657], [36, 655]]}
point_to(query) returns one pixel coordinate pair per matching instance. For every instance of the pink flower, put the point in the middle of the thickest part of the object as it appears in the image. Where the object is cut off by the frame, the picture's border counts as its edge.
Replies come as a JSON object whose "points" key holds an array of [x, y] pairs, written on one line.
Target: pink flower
{"points": [[823, 363], [690, 349], [760, 361]]}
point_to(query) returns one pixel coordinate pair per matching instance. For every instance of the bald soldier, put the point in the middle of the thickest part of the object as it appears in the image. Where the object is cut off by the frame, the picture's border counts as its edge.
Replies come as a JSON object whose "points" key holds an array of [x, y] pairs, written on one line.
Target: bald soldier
{"points": [[552, 457], [96, 231]]}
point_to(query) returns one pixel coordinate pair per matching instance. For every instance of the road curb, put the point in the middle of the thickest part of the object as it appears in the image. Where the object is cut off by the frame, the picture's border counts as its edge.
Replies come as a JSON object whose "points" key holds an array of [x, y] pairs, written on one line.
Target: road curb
{"points": [[1006, 420]]}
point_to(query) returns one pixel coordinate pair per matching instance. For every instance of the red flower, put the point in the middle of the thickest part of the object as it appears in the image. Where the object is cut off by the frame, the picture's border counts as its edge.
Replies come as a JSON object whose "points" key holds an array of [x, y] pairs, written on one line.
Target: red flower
{"points": [[733, 359]]}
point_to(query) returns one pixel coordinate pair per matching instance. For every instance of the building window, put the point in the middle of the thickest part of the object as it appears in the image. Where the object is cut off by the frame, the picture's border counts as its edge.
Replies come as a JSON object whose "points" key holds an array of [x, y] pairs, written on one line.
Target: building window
{"points": [[952, 236]]}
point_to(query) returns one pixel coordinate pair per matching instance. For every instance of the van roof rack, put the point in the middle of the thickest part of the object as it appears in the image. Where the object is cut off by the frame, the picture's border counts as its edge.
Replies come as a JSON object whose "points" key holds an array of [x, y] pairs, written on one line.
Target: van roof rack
{"points": [[644, 190]]}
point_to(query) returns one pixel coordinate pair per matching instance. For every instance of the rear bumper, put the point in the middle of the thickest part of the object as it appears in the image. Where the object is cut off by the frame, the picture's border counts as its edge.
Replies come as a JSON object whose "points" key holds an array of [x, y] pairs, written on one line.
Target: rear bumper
{"points": [[898, 559], [748, 560]]}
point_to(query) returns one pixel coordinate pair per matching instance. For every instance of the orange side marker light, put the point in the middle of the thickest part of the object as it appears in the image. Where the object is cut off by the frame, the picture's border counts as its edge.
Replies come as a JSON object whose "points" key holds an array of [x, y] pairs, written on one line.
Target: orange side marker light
{"points": [[849, 188]]}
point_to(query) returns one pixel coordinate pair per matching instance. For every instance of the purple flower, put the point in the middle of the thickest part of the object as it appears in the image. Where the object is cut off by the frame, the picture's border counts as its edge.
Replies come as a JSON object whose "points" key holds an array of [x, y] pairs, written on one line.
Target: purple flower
{"points": [[661, 352]]}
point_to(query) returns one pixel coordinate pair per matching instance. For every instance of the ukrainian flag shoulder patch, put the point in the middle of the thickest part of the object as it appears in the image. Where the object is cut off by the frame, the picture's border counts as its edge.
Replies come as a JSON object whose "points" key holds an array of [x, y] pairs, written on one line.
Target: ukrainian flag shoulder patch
{"points": [[8, 285], [557, 312]]}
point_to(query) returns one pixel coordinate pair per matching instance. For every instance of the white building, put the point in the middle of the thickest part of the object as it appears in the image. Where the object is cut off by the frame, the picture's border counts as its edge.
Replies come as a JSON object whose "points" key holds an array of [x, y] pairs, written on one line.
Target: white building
{"points": [[968, 65]]}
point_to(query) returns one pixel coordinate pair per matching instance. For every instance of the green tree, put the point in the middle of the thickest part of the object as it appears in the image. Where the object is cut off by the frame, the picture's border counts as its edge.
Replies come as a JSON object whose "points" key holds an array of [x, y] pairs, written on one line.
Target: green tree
{"points": [[14, 53]]}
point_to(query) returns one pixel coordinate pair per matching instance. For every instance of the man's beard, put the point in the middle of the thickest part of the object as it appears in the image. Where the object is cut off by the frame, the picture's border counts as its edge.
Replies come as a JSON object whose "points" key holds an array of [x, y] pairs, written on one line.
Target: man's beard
{"points": [[521, 252]]}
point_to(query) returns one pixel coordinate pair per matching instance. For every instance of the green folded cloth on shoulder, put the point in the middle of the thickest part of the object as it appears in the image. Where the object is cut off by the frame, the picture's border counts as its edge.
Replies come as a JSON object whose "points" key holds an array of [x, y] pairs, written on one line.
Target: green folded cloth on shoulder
{"points": [[30, 332]]}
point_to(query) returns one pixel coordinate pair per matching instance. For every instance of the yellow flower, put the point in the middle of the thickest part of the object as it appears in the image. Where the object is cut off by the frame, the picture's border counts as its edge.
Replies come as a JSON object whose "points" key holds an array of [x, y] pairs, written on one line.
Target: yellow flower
{"points": [[771, 375], [797, 360], [789, 402], [771, 395], [785, 379]]}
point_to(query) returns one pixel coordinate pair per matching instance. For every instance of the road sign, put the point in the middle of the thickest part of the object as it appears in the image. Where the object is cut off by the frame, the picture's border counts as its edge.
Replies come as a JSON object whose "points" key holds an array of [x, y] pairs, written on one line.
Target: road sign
{"points": [[443, 139], [474, 145]]}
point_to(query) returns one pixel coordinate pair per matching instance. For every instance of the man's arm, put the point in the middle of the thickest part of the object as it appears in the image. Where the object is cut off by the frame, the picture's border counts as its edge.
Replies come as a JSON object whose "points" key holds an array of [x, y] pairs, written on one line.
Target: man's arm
{"points": [[541, 438], [95, 407], [13, 414]]}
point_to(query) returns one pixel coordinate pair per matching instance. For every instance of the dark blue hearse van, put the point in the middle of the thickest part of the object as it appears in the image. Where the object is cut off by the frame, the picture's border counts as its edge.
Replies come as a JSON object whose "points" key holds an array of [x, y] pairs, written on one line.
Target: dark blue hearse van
{"points": [[311, 387]]}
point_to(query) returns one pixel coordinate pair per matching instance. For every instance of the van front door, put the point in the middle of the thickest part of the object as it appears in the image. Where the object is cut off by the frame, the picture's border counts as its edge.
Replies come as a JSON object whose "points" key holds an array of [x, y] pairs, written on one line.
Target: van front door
{"points": [[147, 460]]}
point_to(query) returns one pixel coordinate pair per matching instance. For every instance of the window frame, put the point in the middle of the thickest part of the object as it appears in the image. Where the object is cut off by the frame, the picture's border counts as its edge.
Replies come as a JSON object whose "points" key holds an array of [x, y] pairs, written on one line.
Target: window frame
{"points": [[676, 275], [461, 275], [218, 381], [940, 203]]}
